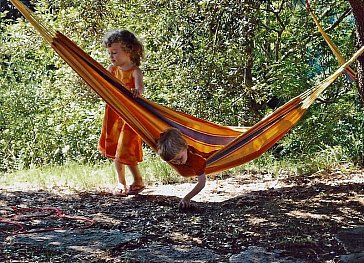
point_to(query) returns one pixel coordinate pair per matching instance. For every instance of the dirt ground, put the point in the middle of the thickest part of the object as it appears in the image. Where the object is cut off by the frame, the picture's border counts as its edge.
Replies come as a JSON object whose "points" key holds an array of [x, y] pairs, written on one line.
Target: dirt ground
{"points": [[299, 216]]}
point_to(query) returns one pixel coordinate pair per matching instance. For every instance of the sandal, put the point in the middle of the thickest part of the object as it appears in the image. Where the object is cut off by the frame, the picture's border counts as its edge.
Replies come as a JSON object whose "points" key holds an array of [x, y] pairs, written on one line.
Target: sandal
{"points": [[134, 189]]}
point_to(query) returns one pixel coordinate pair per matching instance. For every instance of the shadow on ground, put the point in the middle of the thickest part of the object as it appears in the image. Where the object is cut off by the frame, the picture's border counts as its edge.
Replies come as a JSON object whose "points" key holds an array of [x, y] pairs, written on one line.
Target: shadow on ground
{"points": [[301, 221]]}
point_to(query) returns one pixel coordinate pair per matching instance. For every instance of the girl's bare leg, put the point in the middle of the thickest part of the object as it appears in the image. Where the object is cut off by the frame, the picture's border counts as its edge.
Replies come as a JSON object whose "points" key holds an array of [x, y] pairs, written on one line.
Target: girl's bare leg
{"points": [[120, 169], [138, 179]]}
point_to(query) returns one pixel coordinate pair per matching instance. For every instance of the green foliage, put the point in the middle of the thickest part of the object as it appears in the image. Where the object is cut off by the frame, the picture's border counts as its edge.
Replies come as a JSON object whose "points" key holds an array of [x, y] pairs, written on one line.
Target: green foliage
{"points": [[44, 118], [218, 60], [334, 129], [197, 59]]}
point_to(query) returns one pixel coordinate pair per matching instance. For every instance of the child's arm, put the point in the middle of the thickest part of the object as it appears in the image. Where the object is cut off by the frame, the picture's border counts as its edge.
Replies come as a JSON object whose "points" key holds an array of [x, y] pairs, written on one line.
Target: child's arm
{"points": [[139, 84], [185, 202]]}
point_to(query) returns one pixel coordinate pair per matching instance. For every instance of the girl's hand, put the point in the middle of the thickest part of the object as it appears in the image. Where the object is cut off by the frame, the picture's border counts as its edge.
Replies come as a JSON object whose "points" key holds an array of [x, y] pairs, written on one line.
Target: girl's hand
{"points": [[136, 92]]}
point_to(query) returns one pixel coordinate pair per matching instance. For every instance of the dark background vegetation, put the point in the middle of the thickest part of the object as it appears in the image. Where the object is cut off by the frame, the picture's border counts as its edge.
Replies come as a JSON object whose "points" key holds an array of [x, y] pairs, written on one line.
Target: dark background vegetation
{"points": [[231, 62]]}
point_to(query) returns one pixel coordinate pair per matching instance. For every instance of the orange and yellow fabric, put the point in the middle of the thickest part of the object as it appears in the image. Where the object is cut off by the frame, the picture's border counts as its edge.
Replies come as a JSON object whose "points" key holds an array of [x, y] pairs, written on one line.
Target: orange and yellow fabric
{"points": [[118, 140]]}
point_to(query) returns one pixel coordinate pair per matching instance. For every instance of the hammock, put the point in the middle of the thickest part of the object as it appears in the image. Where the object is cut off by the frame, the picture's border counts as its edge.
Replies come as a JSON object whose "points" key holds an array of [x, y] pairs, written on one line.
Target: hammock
{"points": [[223, 147], [349, 72]]}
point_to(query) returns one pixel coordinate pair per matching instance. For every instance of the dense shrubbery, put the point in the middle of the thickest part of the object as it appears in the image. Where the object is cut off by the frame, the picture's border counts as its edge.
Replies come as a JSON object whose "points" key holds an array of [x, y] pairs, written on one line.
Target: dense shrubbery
{"points": [[47, 114], [218, 61]]}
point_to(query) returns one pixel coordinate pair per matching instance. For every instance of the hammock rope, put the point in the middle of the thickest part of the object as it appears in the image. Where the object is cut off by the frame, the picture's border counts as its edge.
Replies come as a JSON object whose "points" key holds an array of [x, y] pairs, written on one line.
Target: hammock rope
{"points": [[28, 214], [349, 72]]}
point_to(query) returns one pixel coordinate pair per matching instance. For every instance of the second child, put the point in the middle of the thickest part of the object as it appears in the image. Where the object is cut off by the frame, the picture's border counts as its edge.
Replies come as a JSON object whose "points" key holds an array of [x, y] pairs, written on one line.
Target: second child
{"points": [[173, 148]]}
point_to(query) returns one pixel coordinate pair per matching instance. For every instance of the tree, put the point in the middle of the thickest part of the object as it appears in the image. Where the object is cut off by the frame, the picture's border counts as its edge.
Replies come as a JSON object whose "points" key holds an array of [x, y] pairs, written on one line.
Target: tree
{"points": [[12, 12], [218, 60], [358, 11]]}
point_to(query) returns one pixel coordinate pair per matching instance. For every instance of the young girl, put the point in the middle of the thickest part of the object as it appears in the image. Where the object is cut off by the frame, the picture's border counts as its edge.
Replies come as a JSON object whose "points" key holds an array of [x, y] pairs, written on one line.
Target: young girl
{"points": [[118, 141]]}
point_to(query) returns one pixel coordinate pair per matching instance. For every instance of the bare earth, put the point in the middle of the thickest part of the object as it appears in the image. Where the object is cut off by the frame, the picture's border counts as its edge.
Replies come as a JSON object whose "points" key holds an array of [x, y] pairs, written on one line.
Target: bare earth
{"points": [[300, 217]]}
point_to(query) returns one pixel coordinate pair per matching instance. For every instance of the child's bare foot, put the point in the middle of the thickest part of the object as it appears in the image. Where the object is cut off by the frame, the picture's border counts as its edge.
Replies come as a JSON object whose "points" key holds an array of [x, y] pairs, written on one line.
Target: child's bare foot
{"points": [[120, 191]]}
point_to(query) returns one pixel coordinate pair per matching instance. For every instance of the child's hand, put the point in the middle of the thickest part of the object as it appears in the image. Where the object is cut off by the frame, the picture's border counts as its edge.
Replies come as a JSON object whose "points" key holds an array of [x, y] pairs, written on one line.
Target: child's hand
{"points": [[136, 92], [184, 203]]}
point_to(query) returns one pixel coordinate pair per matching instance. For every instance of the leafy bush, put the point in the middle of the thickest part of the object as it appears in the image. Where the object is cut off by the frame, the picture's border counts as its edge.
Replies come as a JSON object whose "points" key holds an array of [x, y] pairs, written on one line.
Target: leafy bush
{"points": [[45, 119], [220, 61]]}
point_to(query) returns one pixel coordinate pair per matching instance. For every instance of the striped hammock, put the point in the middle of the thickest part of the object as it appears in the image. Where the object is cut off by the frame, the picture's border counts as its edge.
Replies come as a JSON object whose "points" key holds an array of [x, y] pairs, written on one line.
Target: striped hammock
{"points": [[224, 147]]}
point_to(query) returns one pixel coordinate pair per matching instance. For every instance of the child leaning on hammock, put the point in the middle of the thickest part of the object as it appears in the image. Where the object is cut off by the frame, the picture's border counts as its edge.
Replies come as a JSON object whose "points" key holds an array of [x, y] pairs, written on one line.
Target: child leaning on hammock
{"points": [[118, 140], [173, 149]]}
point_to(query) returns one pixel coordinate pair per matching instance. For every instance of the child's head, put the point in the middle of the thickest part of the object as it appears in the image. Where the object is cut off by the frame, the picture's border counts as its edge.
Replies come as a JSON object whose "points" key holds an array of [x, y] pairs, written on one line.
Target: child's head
{"points": [[172, 147], [128, 43]]}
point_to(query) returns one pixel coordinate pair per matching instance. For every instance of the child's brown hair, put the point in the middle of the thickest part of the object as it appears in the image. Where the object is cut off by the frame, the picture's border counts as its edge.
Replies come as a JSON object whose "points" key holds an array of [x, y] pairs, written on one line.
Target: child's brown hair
{"points": [[170, 144], [129, 42]]}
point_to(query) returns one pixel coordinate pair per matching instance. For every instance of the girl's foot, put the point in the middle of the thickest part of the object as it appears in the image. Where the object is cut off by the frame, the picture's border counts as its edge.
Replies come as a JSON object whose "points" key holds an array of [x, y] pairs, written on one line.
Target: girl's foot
{"points": [[120, 190], [135, 189]]}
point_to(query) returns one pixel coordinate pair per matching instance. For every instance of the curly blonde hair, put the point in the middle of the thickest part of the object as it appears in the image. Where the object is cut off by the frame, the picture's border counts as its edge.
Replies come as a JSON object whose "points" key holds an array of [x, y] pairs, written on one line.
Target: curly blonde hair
{"points": [[128, 41]]}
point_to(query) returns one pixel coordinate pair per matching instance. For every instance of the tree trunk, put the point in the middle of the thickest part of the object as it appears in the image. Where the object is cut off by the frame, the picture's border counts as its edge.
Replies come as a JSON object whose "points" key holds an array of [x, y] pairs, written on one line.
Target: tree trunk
{"points": [[358, 11]]}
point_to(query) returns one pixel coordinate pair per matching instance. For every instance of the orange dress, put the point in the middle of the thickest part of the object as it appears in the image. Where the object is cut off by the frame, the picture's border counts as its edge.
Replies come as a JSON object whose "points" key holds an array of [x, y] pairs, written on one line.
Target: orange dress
{"points": [[118, 141], [194, 166]]}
